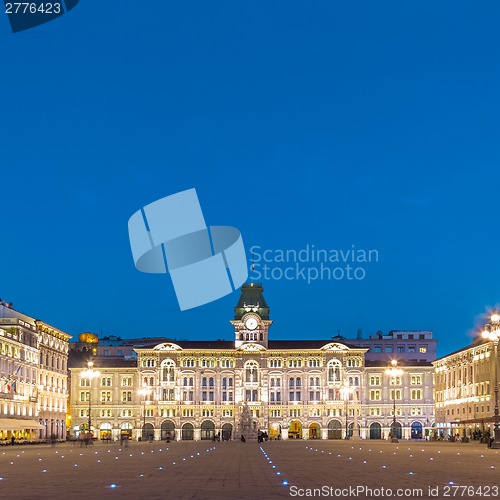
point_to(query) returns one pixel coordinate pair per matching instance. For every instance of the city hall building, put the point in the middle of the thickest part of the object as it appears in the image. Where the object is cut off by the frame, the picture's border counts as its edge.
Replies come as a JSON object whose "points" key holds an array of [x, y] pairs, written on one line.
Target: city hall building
{"points": [[293, 389]]}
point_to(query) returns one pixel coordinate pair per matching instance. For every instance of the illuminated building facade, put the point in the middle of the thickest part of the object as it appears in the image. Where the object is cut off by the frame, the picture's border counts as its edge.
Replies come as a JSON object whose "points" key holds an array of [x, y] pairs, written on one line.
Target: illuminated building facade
{"points": [[53, 381], [412, 393], [405, 345], [33, 377], [19, 357], [112, 398], [294, 389], [464, 390]]}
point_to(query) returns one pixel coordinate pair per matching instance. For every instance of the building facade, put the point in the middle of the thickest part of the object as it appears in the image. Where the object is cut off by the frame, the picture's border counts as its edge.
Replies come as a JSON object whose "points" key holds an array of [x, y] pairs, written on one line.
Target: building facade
{"points": [[53, 381], [412, 346], [33, 392], [293, 389], [464, 390], [411, 393], [111, 399], [19, 367]]}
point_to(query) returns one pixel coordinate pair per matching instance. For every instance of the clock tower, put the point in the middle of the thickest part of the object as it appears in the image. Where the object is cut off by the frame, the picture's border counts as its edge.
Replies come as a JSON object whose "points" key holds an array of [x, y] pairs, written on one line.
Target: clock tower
{"points": [[251, 317]]}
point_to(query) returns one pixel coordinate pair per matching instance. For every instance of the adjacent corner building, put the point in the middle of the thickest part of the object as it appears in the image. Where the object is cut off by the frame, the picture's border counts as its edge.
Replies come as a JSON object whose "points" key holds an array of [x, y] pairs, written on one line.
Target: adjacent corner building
{"points": [[33, 377]]}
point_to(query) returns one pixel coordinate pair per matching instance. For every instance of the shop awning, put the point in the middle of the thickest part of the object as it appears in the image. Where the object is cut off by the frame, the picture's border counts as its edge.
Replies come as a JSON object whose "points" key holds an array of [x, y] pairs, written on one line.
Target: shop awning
{"points": [[18, 424]]}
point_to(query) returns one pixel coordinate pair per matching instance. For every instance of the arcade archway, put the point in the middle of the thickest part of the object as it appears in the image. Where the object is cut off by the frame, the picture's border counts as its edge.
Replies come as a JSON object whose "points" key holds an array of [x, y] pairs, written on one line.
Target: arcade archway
{"points": [[295, 430], [167, 430], [416, 430], [275, 431], [148, 431], [227, 432], [207, 430], [314, 431], [187, 432], [334, 429], [375, 431]]}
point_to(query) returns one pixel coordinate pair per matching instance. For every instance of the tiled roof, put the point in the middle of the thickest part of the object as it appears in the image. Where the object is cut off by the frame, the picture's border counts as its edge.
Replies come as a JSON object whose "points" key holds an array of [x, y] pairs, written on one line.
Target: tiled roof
{"points": [[273, 344], [477, 342], [305, 344]]}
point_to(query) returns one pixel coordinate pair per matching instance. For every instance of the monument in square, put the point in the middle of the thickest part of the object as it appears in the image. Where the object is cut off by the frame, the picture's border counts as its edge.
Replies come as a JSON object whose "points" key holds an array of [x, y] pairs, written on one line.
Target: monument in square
{"points": [[246, 426]]}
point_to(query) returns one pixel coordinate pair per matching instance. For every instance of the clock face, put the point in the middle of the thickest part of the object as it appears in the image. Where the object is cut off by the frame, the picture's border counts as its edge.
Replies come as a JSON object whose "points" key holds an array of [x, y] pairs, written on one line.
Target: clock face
{"points": [[251, 323]]}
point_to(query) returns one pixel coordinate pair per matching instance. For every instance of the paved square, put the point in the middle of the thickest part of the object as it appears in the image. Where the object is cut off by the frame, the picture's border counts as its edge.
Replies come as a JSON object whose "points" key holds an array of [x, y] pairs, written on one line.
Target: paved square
{"points": [[206, 470]]}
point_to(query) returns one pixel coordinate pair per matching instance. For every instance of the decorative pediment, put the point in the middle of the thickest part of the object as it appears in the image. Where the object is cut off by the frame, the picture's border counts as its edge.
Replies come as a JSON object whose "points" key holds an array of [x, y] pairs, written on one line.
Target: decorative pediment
{"points": [[335, 346], [251, 347], [167, 346]]}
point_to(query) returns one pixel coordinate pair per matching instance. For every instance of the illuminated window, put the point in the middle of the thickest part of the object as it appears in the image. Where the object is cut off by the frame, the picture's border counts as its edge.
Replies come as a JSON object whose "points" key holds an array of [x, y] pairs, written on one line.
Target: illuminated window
{"points": [[126, 395], [251, 372], [416, 394], [251, 395], [167, 394], [334, 370], [127, 381], [397, 393], [84, 395], [168, 370], [105, 396], [207, 363], [227, 389]]}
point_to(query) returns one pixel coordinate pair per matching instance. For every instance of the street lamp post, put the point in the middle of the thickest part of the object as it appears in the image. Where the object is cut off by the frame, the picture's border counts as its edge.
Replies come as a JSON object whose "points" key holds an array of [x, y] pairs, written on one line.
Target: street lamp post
{"points": [[144, 392], [492, 332], [394, 372], [346, 390], [90, 373]]}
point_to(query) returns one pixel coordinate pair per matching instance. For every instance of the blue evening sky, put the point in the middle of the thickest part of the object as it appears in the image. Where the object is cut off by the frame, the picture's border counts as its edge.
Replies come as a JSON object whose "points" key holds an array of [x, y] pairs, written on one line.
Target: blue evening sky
{"points": [[374, 124]]}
